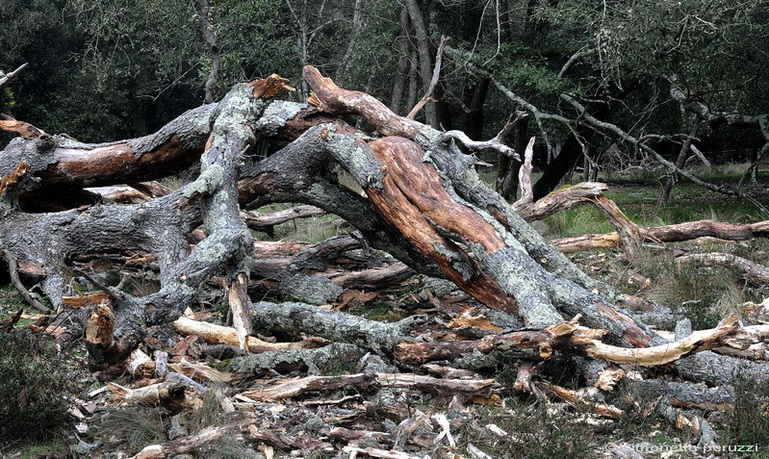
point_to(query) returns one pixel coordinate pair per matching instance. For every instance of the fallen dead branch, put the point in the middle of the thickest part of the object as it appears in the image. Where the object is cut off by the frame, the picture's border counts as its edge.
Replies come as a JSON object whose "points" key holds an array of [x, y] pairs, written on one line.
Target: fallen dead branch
{"points": [[753, 272], [183, 445], [670, 233], [366, 383], [578, 400], [217, 334], [572, 339], [266, 222]]}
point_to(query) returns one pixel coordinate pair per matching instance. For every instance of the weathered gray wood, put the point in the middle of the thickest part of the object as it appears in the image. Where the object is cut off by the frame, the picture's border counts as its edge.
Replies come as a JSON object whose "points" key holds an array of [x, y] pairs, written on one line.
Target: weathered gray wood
{"points": [[379, 337]]}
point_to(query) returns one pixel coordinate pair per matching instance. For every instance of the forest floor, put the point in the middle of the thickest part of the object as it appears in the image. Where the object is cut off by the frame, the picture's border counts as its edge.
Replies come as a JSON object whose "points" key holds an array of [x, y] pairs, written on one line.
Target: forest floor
{"points": [[408, 422]]}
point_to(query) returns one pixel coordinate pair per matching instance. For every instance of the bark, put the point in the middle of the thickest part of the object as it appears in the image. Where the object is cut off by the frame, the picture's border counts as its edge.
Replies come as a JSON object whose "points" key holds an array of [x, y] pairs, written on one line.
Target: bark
{"points": [[335, 326], [314, 361]]}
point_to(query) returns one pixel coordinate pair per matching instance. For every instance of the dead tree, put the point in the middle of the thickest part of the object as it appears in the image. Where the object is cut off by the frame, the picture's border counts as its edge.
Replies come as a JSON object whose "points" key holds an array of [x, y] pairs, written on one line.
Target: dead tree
{"points": [[422, 202]]}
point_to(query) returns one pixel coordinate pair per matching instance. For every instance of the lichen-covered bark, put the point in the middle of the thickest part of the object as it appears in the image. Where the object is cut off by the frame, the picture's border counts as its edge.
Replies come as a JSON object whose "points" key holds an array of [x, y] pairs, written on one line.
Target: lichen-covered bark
{"points": [[335, 326], [313, 361], [159, 227]]}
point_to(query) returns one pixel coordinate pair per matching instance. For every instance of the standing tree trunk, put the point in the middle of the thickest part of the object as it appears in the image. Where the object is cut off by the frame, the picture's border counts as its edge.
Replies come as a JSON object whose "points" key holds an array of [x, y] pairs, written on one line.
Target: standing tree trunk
{"points": [[425, 56], [475, 98], [402, 69], [212, 43]]}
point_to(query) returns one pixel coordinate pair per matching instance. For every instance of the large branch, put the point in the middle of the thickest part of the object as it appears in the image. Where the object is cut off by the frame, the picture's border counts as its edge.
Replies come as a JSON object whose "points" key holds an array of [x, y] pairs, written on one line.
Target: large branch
{"points": [[494, 245], [569, 338], [159, 227], [669, 233]]}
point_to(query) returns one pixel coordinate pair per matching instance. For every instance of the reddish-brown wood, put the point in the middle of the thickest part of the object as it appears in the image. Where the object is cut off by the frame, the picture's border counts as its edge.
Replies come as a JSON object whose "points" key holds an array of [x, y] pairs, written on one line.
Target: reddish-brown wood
{"points": [[413, 199]]}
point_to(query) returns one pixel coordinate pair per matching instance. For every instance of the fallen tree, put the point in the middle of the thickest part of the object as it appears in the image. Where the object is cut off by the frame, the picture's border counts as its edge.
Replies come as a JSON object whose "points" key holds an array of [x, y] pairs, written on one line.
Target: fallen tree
{"points": [[414, 177], [417, 198]]}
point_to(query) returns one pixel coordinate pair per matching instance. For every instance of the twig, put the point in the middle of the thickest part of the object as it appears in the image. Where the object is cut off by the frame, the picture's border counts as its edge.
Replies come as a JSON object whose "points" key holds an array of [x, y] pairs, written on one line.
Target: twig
{"points": [[428, 97], [12, 266]]}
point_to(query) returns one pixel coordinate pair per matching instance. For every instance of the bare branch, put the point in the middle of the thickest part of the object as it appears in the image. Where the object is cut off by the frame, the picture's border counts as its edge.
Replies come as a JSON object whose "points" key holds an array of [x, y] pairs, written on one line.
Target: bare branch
{"points": [[592, 121], [5, 79]]}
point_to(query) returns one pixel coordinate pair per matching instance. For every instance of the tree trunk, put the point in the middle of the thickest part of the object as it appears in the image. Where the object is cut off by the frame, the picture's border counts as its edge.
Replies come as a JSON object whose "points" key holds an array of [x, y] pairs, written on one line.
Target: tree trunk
{"points": [[212, 43], [425, 56], [475, 97], [557, 169], [402, 70]]}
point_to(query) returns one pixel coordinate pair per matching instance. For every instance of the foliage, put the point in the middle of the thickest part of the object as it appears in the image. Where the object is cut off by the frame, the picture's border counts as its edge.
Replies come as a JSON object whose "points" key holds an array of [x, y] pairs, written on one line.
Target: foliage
{"points": [[35, 389]]}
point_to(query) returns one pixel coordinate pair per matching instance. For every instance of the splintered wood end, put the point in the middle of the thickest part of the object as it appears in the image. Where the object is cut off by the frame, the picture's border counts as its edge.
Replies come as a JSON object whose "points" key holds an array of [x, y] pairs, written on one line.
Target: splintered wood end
{"points": [[269, 87]]}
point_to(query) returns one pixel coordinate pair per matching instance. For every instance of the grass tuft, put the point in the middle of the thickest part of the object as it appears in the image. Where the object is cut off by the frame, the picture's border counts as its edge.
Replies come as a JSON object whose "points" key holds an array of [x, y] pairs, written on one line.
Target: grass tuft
{"points": [[34, 389]]}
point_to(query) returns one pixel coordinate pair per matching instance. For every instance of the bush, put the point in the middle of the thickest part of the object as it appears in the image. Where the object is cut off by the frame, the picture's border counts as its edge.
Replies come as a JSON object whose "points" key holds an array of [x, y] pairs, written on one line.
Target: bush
{"points": [[34, 391]]}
